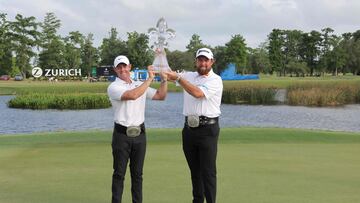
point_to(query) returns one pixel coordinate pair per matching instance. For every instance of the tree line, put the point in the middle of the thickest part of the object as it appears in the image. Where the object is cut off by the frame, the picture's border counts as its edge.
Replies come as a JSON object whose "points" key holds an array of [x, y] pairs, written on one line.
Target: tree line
{"points": [[313, 53], [26, 43], [285, 52]]}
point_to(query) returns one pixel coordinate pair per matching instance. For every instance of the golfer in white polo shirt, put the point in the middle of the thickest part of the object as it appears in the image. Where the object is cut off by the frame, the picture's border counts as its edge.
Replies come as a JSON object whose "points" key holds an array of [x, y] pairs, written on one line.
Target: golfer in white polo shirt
{"points": [[129, 141], [202, 99]]}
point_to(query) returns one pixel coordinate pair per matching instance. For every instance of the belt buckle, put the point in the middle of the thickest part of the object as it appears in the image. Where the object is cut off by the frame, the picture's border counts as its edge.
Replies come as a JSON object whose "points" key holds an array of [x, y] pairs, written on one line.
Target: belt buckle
{"points": [[133, 131], [193, 121]]}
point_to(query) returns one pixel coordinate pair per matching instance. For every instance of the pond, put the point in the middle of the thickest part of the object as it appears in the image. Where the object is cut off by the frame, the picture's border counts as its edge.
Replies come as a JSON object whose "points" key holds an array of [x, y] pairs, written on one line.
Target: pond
{"points": [[168, 114]]}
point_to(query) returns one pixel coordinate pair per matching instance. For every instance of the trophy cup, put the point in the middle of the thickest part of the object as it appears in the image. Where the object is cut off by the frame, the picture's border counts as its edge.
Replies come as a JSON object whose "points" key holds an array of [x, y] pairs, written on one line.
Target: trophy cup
{"points": [[161, 34]]}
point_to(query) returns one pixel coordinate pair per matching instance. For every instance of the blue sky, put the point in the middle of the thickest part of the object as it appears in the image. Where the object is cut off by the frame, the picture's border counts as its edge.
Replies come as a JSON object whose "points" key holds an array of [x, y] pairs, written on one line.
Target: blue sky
{"points": [[214, 20]]}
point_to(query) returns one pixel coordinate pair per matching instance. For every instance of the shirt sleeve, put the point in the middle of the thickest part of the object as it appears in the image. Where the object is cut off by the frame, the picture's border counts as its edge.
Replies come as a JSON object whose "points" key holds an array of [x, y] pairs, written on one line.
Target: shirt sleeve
{"points": [[150, 92], [211, 87], [115, 92], [185, 75]]}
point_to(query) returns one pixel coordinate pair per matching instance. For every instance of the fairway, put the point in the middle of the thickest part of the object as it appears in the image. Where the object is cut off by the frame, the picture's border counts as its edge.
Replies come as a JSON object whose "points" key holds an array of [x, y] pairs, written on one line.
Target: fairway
{"points": [[16, 87], [255, 165]]}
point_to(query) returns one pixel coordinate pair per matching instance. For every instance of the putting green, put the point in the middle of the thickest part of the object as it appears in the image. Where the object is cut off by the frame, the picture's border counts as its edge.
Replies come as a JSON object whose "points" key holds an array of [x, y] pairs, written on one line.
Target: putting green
{"points": [[254, 165]]}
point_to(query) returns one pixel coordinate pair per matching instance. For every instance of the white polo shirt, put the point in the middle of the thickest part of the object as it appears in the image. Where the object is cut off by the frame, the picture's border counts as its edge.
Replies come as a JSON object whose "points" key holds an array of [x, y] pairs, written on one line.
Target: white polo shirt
{"points": [[128, 112], [212, 87]]}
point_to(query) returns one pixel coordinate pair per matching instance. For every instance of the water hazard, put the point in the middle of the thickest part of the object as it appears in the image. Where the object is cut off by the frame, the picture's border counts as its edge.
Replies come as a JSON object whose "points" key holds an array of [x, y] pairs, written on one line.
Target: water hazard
{"points": [[168, 114]]}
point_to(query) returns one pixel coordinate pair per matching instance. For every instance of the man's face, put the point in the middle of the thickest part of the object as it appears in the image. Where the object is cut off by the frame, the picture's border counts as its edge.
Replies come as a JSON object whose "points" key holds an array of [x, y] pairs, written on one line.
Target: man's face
{"points": [[203, 65], [122, 70]]}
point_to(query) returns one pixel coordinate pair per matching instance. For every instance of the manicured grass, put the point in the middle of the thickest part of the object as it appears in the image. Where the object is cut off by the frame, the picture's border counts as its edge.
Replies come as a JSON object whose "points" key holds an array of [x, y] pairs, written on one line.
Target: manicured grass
{"points": [[309, 91], [254, 165], [16, 87], [60, 95], [27, 86], [284, 82]]}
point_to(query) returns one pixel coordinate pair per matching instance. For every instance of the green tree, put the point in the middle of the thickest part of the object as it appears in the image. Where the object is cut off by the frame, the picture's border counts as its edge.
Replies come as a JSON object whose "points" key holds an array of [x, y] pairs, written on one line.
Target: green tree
{"points": [[351, 45], [296, 67], [179, 60], [138, 49], [24, 36], [89, 55], [275, 46], [52, 54], [356, 35], [220, 59], [345, 45], [195, 44], [356, 52], [112, 47], [337, 56], [310, 49], [5, 46], [355, 58], [326, 47], [236, 52], [50, 26], [73, 43], [291, 48], [258, 60]]}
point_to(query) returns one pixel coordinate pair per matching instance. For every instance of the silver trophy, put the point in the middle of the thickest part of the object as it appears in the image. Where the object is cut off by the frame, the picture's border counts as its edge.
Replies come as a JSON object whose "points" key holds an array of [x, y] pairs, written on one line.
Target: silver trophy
{"points": [[161, 34]]}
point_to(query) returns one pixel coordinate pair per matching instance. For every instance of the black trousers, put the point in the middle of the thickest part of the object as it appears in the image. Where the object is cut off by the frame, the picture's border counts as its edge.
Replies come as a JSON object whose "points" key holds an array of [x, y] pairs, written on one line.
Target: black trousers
{"points": [[200, 149], [126, 148]]}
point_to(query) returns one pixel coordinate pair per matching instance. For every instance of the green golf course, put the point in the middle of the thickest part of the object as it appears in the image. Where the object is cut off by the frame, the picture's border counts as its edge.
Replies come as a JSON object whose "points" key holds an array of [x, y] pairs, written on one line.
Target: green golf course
{"points": [[255, 165]]}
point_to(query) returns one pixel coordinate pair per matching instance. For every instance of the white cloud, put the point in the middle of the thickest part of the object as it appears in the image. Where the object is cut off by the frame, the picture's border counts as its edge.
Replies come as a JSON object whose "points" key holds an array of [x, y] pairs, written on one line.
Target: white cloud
{"points": [[214, 20], [276, 5]]}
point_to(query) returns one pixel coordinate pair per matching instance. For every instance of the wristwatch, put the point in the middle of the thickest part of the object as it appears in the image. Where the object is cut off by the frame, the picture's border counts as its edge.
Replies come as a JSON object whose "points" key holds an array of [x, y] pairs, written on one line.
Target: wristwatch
{"points": [[178, 78]]}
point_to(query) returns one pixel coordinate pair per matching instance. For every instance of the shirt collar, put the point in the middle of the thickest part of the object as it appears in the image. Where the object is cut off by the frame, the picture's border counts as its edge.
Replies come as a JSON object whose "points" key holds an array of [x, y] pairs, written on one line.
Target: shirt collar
{"points": [[123, 81]]}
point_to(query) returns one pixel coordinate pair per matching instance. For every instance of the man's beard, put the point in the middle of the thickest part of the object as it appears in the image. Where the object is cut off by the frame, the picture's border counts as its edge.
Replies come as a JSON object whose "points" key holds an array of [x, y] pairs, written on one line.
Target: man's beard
{"points": [[203, 70]]}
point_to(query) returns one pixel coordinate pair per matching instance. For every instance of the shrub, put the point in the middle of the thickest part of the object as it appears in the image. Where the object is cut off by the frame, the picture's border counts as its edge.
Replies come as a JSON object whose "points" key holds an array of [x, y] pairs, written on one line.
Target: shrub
{"points": [[315, 94], [249, 95], [60, 101]]}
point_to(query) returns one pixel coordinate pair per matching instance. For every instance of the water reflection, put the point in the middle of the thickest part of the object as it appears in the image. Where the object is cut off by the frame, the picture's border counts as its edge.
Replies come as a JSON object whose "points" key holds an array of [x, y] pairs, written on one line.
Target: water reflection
{"points": [[168, 114]]}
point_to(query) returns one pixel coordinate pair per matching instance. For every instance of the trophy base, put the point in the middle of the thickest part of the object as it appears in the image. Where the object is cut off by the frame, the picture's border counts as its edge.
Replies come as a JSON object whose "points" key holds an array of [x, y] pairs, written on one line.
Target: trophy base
{"points": [[160, 69]]}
